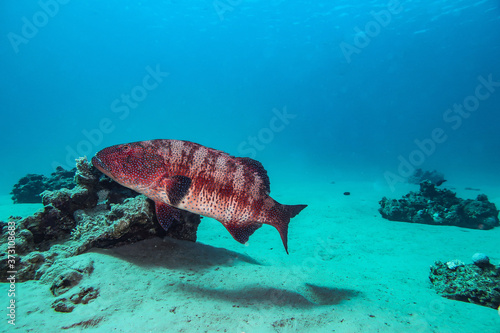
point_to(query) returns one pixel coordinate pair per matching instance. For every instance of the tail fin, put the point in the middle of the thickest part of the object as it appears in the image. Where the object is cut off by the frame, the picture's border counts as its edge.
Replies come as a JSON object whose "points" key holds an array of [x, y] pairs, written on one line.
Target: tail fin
{"points": [[280, 218]]}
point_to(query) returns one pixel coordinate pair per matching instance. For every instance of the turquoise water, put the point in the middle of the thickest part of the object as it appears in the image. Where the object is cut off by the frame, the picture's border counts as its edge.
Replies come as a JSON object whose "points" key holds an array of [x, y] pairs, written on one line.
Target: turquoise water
{"points": [[318, 91], [356, 99]]}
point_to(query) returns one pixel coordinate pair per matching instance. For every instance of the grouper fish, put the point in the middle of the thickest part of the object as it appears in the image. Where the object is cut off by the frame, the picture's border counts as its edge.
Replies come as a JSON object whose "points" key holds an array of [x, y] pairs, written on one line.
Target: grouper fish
{"points": [[182, 175]]}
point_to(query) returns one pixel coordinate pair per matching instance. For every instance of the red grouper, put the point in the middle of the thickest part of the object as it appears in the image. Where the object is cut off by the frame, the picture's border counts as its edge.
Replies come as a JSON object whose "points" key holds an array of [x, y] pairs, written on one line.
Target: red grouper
{"points": [[188, 176]]}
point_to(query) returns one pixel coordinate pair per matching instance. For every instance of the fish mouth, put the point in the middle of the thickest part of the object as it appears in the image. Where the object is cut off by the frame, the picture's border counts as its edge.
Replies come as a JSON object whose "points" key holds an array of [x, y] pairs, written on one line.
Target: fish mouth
{"points": [[96, 161]]}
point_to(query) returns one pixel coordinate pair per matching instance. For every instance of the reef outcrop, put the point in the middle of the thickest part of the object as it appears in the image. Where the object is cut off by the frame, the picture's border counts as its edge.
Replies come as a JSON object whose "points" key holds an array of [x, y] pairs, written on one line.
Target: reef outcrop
{"points": [[435, 177], [29, 188], [440, 207], [478, 284], [96, 212]]}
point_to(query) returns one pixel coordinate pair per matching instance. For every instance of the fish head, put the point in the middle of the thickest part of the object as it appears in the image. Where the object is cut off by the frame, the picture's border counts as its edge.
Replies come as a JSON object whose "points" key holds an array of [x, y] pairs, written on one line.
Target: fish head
{"points": [[134, 165]]}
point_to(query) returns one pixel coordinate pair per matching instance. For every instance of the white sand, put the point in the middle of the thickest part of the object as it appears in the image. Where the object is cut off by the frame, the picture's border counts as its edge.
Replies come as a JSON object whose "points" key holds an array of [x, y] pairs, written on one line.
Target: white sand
{"points": [[349, 270], [7, 208]]}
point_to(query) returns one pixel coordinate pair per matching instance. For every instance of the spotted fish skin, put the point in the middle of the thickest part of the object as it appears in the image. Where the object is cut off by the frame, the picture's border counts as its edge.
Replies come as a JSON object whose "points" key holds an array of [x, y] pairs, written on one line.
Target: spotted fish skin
{"points": [[188, 176]]}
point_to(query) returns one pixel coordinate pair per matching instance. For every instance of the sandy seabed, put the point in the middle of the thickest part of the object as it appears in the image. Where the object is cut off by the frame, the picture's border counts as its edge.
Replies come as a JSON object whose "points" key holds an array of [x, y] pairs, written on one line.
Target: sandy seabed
{"points": [[349, 270]]}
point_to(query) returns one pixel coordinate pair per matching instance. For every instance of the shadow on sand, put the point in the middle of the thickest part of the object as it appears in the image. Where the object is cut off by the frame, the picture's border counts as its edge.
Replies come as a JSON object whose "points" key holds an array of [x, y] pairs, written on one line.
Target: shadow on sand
{"points": [[176, 254], [311, 295]]}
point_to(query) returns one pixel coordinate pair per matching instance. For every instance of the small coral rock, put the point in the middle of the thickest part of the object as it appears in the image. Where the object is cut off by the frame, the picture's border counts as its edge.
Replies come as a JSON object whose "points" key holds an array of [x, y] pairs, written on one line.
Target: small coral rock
{"points": [[84, 295], [467, 283], [64, 282], [63, 305], [420, 175], [480, 259]]}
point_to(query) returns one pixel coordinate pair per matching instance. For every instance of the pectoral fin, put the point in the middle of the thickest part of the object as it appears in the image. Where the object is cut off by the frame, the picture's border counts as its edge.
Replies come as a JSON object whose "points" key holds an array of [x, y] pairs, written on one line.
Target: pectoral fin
{"points": [[176, 188]]}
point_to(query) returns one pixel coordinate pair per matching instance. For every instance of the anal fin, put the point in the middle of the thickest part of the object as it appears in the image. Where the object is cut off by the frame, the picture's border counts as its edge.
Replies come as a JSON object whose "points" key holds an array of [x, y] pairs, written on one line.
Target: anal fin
{"points": [[241, 231]]}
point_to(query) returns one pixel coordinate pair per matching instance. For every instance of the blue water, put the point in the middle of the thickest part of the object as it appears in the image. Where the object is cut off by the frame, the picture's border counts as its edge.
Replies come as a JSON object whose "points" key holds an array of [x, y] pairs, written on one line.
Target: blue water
{"points": [[299, 85], [320, 92]]}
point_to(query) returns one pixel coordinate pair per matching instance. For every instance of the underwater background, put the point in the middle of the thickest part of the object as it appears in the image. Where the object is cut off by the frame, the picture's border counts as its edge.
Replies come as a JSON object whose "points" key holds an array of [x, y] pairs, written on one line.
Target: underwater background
{"points": [[356, 101], [341, 101]]}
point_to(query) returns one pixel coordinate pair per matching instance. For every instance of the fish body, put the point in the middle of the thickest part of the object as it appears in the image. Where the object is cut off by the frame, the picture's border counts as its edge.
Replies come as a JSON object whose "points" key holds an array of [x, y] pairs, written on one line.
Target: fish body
{"points": [[182, 175]]}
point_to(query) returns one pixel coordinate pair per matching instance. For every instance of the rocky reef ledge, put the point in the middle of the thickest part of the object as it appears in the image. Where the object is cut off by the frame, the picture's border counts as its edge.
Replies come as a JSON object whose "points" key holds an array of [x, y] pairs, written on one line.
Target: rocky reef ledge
{"points": [[96, 212], [29, 188], [440, 207]]}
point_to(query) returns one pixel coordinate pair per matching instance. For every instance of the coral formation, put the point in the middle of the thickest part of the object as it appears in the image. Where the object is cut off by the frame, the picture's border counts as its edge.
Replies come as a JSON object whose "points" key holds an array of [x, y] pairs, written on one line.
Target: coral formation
{"points": [[467, 283], [435, 177], [440, 207], [29, 188], [97, 212]]}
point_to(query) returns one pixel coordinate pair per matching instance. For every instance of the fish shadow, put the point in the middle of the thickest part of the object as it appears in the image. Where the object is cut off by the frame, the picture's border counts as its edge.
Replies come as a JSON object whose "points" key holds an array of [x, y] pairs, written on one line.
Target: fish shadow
{"points": [[177, 254], [311, 296], [329, 296]]}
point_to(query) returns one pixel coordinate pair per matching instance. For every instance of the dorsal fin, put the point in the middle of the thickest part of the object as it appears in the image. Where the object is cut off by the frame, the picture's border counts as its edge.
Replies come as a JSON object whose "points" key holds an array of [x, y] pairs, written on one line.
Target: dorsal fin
{"points": [[258, 168]]}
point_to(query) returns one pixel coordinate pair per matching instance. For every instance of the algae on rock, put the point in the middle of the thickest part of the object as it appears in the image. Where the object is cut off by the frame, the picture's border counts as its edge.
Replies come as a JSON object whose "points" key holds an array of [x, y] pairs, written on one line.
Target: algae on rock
{"points": [[467, 283]]}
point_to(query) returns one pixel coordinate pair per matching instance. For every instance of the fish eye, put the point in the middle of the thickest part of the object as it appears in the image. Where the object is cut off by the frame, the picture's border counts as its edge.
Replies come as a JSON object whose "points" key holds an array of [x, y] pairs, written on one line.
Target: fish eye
{"points": [[126, 148]]}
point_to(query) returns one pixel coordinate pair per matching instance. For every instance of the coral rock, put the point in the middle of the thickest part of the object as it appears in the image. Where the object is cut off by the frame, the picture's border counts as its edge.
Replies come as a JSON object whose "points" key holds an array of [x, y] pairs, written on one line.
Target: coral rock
{"points": [[67, 280], [29, 188], [467, 283], [440, 207], [96, 212], [63, 305], [434, 177], [480, 259]]}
